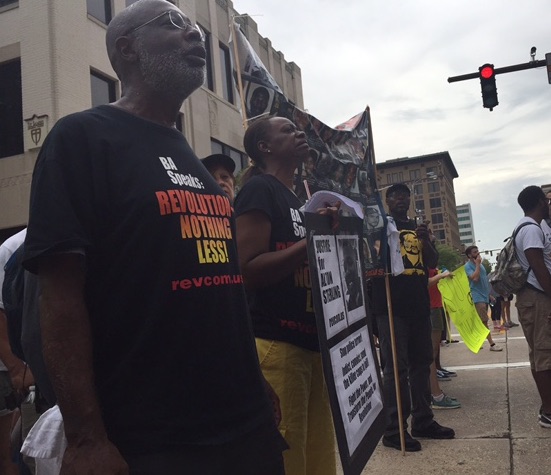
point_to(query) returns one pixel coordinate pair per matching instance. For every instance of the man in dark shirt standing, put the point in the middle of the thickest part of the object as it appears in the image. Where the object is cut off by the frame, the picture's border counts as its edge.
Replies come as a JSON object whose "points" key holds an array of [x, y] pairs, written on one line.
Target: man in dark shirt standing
{"points": [[145, 328], [412, 327]]}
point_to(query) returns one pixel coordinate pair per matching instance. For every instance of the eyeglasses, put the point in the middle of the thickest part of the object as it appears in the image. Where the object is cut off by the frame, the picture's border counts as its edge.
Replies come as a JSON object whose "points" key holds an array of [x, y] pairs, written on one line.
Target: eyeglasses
{"points": [[177, 20]]}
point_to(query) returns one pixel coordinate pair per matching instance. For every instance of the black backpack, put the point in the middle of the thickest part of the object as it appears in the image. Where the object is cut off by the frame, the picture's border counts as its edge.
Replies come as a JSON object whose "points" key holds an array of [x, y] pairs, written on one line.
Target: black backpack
{"points": [[509, 277]]}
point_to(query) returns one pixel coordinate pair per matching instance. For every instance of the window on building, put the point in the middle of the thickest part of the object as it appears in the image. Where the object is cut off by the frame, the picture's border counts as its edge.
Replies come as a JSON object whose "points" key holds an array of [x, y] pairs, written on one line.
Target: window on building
{"points": [[238, 157], [100, 9], [397, 177], [463, 218], [440, 234], [11, 109], [433, 187], [430, 170], [103, 89], [209, 81], [5, 3], [420, 205], [437, 218], [414, 174], [225, 63], [435, 203], [418, 189]]}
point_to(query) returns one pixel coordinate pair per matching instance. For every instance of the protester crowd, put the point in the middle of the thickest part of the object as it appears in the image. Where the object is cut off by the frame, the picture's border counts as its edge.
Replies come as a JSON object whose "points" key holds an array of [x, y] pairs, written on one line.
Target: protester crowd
{"points": [[167, 341]]}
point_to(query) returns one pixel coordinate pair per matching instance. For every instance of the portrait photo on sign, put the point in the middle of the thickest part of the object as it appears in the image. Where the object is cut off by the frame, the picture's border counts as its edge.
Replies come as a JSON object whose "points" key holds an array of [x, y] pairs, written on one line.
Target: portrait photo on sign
{"points": [[373, 218], [259, 100], [351, 277]]}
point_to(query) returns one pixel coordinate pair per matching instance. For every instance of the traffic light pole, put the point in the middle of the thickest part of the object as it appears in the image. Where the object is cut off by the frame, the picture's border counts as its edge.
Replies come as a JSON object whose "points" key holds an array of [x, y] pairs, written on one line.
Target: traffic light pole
{"points": [[507, 69]]}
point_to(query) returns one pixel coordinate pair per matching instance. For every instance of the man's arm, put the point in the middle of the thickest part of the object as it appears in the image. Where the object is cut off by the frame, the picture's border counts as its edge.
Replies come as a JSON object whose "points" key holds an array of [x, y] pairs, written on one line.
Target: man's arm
{"points": [[537, 264], [430, 254], [475, 276], [67, 348]]}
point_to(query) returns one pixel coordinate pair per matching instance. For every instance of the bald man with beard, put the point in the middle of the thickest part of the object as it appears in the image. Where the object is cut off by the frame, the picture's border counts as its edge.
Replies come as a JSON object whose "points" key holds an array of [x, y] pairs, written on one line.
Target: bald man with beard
{"points": [[145, 327]]}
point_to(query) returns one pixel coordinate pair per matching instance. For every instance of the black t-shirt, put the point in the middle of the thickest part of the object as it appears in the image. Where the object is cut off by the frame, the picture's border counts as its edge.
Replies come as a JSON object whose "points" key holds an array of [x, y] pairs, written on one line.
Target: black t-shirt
{"points": [[283, 311], [410, 295], [174, 355]]}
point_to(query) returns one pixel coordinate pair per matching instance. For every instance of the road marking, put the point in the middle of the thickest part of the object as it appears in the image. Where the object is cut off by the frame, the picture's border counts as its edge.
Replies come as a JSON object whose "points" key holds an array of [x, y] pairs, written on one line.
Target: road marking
{"points": [[519, 364]]}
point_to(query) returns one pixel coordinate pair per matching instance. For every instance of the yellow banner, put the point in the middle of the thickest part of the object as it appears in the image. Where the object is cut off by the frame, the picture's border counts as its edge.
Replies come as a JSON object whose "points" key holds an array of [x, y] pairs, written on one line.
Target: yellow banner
{"points": [[458, 302]]}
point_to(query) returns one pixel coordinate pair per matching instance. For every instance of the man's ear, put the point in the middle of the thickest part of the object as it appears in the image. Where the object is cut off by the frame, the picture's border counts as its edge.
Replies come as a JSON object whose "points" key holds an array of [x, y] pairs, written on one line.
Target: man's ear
{"points": [[125, 49]]}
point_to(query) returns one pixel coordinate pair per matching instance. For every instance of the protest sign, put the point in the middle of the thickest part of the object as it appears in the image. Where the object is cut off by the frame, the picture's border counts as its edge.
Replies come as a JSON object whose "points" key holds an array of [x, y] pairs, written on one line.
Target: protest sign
{"points": [[458, 302], [341, 159], [346, 343]]}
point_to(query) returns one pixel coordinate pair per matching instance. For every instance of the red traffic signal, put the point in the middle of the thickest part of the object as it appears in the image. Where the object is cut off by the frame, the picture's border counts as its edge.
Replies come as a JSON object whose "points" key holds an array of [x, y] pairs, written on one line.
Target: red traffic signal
{"points": [[487, 76], [487, 72]]}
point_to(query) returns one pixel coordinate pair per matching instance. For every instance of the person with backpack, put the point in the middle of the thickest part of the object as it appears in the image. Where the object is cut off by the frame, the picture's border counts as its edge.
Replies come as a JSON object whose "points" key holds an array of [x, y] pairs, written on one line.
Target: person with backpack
{"points": [[533, 247], [15, 378]]}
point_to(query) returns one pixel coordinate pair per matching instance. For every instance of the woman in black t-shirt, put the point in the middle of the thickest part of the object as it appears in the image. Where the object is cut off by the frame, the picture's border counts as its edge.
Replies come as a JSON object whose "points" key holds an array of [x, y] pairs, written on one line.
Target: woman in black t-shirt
{"points": [[272, 253]]}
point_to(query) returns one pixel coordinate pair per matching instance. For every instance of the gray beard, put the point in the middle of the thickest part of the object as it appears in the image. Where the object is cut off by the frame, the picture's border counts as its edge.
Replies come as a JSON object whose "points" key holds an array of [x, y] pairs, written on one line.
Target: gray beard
{"points": [[169, 73]]}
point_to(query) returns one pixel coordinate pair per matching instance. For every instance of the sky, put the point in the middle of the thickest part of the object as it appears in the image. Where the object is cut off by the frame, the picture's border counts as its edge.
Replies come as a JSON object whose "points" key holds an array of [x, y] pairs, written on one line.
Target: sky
{"points": [[396, 56]]}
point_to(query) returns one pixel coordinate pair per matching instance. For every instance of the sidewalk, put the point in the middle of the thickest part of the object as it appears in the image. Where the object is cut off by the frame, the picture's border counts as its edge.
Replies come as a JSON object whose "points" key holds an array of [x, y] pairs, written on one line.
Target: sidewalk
{"points": [[496, 427]]}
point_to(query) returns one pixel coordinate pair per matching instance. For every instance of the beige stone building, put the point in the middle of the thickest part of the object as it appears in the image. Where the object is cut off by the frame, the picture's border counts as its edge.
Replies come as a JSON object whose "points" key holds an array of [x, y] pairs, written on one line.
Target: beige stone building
{"points": [[53, 62], [430, 178]]}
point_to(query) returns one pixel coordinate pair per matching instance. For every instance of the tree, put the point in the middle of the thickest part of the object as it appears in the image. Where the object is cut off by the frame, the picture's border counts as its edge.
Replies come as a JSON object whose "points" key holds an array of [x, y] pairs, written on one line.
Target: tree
{"points": [[487, 265], [448, 257]]}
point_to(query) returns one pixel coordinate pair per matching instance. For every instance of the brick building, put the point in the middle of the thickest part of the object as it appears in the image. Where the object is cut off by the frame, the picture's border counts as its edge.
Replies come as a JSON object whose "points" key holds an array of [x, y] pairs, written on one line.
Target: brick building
{"points": [[430, 178]]}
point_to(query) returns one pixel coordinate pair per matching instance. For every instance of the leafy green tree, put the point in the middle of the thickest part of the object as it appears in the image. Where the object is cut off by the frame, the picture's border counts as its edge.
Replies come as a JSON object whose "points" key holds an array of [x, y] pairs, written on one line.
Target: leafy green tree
{"points": [[487, 265], [448, 257]]}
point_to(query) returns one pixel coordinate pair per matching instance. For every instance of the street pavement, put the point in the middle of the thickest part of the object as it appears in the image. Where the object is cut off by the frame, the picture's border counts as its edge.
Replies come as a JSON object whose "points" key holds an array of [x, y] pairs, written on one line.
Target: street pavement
{"points": [[496, 427]]}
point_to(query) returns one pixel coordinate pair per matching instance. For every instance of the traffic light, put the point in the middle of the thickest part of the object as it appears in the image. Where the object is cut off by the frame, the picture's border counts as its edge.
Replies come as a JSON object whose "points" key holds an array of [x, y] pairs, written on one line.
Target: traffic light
{"points": [[488, 85]]}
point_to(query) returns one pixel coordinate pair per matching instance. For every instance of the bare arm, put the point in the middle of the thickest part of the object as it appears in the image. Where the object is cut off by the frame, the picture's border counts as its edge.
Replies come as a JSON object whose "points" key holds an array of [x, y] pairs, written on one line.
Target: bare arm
{"points": [[438, 277], [537, 264], [260, 266], [67, 348], [475, 276], [430, 254]]}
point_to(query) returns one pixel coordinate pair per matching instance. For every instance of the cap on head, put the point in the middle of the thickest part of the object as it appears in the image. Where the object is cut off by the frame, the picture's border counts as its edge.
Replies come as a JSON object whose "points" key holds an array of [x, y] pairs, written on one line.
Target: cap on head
{"points": [[398, 187], [219, 159]]}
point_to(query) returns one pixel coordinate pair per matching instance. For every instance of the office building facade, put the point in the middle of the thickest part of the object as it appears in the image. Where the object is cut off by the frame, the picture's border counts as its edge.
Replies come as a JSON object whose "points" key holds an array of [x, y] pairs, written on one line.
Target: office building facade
{"points": [[466, 225]]}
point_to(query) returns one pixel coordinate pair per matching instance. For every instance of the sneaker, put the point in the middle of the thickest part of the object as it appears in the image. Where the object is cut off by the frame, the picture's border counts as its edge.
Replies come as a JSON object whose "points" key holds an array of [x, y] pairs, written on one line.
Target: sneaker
{"points": [[450, 374], [452, 341], [495, 347], [393, 441], [434, 431], [513, 324], [544, 420], [442, 376], [446, 403]]}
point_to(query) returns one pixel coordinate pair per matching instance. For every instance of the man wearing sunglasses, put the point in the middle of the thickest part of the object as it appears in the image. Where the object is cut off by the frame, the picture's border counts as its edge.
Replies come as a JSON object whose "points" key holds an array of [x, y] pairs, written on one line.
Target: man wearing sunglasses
{"points": [[145, 327]]}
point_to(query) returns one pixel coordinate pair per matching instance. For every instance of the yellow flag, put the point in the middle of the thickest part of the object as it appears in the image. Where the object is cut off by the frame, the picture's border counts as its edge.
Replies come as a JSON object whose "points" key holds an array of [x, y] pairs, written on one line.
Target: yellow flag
{"points": [[458, 302]]}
